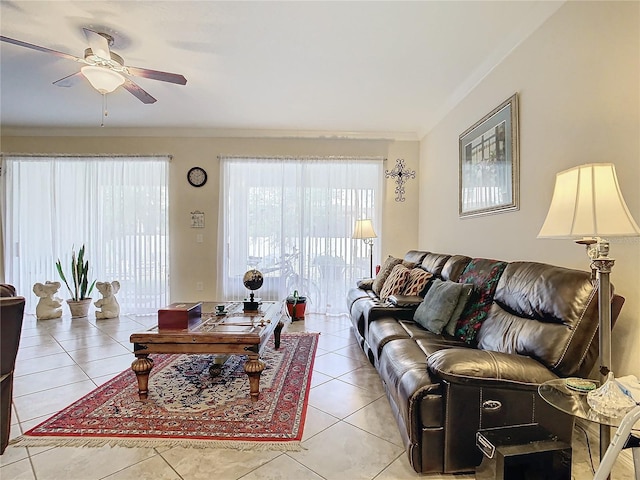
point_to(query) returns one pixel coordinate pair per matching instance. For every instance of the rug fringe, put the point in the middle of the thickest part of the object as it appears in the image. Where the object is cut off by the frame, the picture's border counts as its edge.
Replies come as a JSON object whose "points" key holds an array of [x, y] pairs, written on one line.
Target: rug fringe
{"points": [[24, 441]]}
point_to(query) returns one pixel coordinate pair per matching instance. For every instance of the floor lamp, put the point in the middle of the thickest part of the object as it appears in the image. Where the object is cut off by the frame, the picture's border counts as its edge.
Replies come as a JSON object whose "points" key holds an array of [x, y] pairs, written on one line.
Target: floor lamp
{"points": [[587, 204], [364, 231]]}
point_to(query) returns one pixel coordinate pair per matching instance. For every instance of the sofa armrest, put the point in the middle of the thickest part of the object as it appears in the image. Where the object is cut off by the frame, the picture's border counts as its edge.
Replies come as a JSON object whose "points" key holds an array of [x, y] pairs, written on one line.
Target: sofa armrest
{"points": [[365, 284], [485, 368], [405, 300], [7, 290], [376, 309]]}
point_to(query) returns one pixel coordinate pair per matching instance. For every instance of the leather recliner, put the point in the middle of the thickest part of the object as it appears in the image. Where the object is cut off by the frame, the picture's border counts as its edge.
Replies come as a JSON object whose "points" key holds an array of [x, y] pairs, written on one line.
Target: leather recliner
{"points": [[541, 324], [11, 315]]}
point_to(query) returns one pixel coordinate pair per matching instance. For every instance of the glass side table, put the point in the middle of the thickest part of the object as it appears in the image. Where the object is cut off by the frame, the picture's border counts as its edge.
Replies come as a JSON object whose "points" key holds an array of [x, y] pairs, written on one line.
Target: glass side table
{"points": [[557, 394]]}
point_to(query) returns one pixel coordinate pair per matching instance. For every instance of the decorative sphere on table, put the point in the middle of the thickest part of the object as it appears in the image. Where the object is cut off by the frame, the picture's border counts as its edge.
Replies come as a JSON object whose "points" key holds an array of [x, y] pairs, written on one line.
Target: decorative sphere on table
{"points": [[253, 279]]}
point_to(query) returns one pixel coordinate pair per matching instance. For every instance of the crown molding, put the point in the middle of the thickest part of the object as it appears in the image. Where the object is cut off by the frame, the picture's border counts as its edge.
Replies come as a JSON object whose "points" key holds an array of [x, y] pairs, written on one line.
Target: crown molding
{"points": [[204, 132]]}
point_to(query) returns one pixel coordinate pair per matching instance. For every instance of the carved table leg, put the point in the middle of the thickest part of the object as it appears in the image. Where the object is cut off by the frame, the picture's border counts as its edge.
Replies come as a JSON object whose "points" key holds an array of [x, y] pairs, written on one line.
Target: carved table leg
{"points": [[253, 369], [142, 366], [276, 334]]}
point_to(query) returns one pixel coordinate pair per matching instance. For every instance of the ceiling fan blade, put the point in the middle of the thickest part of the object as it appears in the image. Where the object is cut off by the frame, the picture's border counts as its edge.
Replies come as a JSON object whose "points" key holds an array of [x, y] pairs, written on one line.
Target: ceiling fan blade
{"points": [[69, 81], [20, 43], [138, 92], [157, 75], [99, 45]]}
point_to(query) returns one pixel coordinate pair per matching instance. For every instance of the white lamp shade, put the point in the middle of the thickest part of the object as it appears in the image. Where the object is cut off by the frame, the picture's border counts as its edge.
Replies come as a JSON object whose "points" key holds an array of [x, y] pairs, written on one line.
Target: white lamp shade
{"points": [[102, 79], [364, 229], [587, 202]]}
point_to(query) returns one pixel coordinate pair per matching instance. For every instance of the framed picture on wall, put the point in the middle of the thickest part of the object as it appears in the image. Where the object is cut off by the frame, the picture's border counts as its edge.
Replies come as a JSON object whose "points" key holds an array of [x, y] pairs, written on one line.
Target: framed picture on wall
{"points": [[489, 163]]}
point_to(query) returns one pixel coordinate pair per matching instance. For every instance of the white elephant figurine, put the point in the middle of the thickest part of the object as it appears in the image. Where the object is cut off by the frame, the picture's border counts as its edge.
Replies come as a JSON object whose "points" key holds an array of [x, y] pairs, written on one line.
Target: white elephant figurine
{"points": [[108, 305], [49, 306]]}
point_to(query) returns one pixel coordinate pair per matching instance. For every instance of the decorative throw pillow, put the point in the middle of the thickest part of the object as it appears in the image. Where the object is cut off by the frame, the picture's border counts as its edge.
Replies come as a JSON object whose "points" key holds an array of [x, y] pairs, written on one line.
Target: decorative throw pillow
{"points": [[465, 297], [384, 272], [417, 282], [484, 275], [438, 305], [394, 283]]}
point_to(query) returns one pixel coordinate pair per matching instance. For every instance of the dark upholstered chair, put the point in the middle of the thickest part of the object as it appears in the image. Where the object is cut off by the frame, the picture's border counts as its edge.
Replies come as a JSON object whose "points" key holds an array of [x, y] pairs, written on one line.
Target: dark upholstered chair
{"points": [[11, 314]]}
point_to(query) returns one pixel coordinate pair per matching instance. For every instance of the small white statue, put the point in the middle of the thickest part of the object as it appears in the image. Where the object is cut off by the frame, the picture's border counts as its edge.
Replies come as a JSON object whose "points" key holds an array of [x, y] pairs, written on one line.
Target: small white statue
{"points": [[49, 307], [108, 304]]}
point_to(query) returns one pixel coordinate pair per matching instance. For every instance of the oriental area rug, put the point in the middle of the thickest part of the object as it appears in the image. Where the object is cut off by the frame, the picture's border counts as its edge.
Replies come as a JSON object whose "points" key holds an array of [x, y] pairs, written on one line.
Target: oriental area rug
{"points": [[188, 407]]}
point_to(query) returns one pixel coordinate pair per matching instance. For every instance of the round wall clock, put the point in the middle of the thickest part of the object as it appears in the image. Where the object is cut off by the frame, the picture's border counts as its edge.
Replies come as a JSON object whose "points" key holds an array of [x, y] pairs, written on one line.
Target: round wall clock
{"points": [[197, 176]]}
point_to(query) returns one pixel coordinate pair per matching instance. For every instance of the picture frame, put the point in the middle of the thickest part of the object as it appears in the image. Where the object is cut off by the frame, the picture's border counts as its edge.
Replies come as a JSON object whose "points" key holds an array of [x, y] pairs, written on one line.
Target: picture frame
{"points": [[489, 163]]}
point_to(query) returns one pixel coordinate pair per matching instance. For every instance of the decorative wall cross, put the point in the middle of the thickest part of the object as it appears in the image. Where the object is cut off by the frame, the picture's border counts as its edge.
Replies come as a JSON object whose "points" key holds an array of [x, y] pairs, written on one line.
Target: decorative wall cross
{"points": [[401, 173]]}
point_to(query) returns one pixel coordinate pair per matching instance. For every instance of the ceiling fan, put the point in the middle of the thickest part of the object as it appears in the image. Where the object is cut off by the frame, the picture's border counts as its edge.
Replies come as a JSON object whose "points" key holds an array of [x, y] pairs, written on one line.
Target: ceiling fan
{"points": [[104, 69]]}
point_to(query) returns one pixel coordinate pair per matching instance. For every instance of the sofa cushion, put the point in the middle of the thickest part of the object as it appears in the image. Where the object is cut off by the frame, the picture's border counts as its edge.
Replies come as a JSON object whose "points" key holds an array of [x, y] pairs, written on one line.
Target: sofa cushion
{"points": [[454, 267], [430, 342], [484, 368], [416, 282], [484, 275], [384, 272], [381, 332], [438, 305], [435, 262], [545, 312], [414, 256], [394, 284]]}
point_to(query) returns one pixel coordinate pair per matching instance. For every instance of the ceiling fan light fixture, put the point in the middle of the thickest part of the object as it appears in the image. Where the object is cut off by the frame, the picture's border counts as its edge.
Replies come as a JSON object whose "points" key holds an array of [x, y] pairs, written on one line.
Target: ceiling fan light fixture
{"points": [[102, 79]]}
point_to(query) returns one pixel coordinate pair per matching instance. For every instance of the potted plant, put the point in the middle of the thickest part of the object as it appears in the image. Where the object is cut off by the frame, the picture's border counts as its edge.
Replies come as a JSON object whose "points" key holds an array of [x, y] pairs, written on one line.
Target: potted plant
{"points": [[80, 300], [296, 305]]}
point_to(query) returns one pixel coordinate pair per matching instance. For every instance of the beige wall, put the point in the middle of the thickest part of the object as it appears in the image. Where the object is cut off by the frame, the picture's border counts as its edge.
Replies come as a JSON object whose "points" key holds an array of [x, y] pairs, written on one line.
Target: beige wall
{"points": [[193, 262], [578, 80]]}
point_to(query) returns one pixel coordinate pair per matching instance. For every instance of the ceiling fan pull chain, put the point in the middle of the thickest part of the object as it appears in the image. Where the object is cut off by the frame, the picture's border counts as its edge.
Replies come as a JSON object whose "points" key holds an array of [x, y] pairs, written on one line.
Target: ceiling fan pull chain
{"points": [[104, 109]]}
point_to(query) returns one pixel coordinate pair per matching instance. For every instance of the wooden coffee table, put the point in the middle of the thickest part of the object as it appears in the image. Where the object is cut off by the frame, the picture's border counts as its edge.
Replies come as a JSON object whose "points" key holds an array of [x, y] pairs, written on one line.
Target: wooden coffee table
{"points": [[234, 333]]}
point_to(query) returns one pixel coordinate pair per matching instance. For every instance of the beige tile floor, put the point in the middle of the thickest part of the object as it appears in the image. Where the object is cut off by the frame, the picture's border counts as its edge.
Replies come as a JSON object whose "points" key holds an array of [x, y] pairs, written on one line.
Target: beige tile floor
{"points": [[350, 432]]}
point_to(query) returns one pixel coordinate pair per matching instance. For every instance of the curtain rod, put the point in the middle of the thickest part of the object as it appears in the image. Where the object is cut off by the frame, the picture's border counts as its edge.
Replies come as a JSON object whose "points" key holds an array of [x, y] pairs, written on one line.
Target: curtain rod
{"points": [[301, 157], [83, 155]]}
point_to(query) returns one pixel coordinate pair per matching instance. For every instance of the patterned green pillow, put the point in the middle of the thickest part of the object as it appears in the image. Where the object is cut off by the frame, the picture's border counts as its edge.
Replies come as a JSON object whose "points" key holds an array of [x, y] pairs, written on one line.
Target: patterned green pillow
{"points": [[438, 305]]}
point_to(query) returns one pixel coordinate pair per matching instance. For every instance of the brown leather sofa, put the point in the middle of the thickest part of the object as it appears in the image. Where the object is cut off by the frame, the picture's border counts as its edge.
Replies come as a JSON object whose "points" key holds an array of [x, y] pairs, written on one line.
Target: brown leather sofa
{"points": [[11, 314], [540, 323]]}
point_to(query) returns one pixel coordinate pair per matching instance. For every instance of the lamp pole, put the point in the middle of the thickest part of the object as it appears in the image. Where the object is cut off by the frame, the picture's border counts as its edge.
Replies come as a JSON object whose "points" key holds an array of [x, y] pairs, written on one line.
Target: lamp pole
{"points": [[603, 265], [369, 242]]}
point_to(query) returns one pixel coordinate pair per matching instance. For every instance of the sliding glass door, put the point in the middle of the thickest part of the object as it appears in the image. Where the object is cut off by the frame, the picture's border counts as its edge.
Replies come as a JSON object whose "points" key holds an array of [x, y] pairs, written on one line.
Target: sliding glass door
{"points": [[293, 219], [115, 206]]}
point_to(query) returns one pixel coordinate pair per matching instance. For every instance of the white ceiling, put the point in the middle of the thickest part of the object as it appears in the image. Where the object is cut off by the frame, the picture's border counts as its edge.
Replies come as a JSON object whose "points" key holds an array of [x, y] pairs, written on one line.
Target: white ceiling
{"points": [[363, 68]]}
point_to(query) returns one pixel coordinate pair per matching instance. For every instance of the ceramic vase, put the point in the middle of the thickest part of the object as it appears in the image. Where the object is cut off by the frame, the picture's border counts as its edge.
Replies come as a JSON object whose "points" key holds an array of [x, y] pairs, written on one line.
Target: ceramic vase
{"points": [[79, 309]]}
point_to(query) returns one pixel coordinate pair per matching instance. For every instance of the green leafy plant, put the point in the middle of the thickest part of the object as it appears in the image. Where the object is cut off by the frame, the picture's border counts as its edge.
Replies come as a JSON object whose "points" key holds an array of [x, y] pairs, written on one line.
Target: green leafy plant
{"points": [[292, 301], [79, 274]]}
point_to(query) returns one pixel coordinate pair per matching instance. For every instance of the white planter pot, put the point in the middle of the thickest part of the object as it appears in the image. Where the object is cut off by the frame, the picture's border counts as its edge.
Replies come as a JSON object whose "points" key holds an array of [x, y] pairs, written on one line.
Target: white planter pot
{"points": [[79, 309]]}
